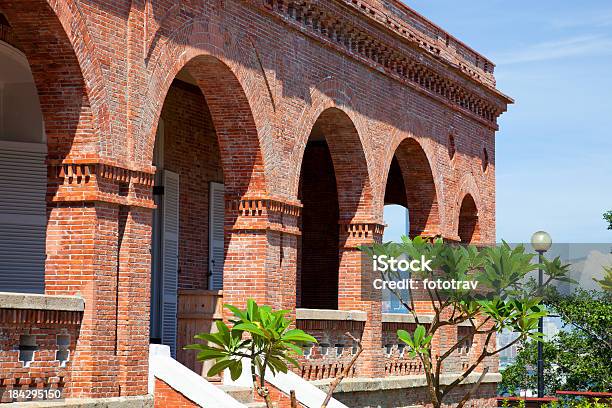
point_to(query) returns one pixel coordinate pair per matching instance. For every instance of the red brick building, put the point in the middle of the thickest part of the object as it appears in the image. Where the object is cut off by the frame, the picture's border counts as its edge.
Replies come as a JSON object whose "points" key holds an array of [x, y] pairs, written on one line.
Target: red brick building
{"points": [[157, 155]]}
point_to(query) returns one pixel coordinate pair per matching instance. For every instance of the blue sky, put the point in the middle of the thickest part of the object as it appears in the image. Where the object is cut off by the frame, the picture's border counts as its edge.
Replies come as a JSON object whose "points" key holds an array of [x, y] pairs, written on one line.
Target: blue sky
{"points": [[554, 147]]}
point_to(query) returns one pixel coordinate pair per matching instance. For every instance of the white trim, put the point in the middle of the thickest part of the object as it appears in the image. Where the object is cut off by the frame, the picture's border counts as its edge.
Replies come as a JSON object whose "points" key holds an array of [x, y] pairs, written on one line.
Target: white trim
{"points": [[185, 381], [306, 393], [215, 190]]}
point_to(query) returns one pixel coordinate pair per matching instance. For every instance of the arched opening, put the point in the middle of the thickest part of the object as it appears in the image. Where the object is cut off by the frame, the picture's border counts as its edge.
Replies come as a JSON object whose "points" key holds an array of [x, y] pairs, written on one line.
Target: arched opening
{"points": [[23, 148], [469, 230], [206, 153], [318, 259], [44, 113], [42, 96], [410, 183], [410, 206], [333, 184]]}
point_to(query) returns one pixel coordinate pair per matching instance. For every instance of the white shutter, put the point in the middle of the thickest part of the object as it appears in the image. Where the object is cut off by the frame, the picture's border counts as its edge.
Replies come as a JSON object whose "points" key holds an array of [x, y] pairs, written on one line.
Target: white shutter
{"points": [[216, 225], [23, 216], [170, 259]]}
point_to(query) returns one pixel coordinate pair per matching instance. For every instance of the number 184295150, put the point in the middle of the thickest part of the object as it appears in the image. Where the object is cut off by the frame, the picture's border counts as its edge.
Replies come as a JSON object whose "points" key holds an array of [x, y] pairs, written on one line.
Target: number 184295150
{"points": [[35, 394]]}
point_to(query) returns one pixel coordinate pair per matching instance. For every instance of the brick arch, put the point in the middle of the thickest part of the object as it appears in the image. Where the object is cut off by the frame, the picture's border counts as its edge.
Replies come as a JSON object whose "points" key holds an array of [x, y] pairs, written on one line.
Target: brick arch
{"points": [[330, 106], [467, 188], [468, 225], [422, 197], [234, 90], [421, 133], [71, 88], [349, 162]]}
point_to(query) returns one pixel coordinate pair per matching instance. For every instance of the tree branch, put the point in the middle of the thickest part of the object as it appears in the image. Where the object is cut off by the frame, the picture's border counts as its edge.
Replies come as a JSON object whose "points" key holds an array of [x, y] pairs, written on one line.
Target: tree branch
{"points": [[345, 372]]}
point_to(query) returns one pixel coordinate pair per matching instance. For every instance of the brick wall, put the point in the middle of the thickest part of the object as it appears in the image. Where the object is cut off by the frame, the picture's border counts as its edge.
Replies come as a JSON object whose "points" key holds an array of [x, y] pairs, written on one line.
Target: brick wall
{"points": [[45, 371], [318, 258], [166, 397]]}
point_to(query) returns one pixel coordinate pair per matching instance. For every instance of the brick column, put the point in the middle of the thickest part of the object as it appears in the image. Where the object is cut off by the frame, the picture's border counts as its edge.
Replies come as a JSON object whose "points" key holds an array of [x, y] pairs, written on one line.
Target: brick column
{"points": [[261, 251], [82, 260], [355, 292], [133, 303], [98, 237]]}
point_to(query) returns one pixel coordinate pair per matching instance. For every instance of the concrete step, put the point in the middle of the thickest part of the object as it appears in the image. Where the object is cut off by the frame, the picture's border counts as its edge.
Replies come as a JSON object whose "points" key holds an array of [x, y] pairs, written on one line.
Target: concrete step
{"points": [[256, 405], [240, 394]]}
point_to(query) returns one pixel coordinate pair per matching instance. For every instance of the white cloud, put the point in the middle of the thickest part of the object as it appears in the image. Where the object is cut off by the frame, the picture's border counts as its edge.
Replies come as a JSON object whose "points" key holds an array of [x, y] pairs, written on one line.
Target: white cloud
{"points": [[578, 46], [599, 19]]}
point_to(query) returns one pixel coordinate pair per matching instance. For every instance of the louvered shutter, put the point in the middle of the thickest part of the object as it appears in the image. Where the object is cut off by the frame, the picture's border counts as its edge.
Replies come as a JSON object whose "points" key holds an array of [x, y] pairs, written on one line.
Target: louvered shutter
{"points": [[215, 235], [170, 259], [23, 219]]}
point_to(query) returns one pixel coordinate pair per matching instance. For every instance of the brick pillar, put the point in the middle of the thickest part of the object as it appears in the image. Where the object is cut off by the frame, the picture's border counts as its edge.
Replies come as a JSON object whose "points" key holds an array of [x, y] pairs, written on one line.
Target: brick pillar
{"points": [[133, 303], [261, 251], [355, 292], [82, 259], [98, 235]]}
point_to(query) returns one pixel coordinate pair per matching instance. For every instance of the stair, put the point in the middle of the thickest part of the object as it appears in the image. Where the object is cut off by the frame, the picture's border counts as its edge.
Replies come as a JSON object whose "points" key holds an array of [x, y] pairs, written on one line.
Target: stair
{"points": [[243, 395]]}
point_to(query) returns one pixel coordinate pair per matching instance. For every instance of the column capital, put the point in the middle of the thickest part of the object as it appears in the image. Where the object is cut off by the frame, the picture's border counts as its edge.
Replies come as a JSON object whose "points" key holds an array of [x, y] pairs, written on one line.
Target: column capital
{"points": [[264, 212], [355, 233], [97, 180]]}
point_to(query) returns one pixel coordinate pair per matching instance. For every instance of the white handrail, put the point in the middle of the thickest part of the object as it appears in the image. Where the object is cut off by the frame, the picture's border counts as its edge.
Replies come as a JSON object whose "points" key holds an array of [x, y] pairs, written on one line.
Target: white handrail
{"points": [[306, 393], [185, 381]]}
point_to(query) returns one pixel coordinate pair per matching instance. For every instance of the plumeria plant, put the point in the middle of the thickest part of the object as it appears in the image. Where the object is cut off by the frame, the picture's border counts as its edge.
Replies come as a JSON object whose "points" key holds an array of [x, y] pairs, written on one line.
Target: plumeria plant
{"points": [[505, 300], [259, 334]]}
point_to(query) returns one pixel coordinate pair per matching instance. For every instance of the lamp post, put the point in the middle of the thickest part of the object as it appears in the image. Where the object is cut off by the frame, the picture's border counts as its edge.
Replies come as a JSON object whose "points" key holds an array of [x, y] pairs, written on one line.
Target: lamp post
{"points": [[541, 242]]}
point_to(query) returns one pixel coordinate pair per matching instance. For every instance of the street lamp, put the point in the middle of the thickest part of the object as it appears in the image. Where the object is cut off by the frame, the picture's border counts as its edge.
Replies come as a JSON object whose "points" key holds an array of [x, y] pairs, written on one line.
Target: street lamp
{"points": [[541, 242]]}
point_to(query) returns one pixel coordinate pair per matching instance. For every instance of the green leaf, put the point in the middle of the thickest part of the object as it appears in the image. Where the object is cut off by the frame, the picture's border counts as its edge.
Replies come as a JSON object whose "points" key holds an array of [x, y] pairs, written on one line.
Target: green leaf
{"points": [[404, 336], [236, 370], [298, 335], [419, 334], [210, 354], [219, 366], [251, 328], [240, 314], [213, 338]]}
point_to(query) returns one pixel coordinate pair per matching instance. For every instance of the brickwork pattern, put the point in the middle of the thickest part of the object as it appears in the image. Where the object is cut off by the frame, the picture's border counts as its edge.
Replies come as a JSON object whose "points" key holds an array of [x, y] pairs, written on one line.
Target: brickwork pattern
{"points": [[272, 74], [45, 371], [166, 397], [485, 397]]}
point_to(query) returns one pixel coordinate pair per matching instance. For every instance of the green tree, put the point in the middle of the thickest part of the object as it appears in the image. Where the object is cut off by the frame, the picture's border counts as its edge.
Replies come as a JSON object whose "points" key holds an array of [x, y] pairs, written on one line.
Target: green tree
{"points": [[608, 218], [270, 345], [577, 358], [606, 282], [502, 302], [522, 375]]}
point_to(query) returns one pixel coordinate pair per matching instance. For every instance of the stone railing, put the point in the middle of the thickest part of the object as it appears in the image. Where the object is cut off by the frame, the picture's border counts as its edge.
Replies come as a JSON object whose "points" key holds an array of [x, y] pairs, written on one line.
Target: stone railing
{"points": [[38, 335], [334, 350]]}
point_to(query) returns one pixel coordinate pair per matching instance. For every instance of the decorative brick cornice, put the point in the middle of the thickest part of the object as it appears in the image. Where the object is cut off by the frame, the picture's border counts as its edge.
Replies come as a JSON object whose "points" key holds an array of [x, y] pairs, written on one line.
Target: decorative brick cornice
{"points": [[91, 180], [25, 316], [362, 229], [356, 233], [250, 206], [404, 59], [81, 172], [264, 213]]}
